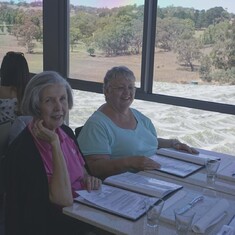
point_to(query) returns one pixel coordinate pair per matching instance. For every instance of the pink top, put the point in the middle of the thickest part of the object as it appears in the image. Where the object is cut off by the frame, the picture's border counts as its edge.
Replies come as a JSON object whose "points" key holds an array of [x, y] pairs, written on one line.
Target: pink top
{"points": [[72, 156]]}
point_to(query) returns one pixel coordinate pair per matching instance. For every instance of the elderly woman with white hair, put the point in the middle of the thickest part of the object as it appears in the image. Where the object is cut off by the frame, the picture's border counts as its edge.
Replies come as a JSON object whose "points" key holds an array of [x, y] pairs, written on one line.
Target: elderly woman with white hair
{"points": [[118, 138], [44, 165]]}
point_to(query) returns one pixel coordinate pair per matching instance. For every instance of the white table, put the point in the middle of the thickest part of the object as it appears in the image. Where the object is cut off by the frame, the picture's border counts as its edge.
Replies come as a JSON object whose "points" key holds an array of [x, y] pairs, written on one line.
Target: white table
{"points": [[117, 225], [199, 177]]}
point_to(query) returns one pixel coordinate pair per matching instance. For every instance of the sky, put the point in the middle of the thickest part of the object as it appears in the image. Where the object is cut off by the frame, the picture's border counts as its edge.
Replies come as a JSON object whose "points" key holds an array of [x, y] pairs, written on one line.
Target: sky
{"points": [[197, 4], [229, 5]]}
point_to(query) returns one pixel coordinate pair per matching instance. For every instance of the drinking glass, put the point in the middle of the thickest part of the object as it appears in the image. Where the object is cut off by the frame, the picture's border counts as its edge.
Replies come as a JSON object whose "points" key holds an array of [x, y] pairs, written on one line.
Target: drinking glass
{"points": [[183, 222], [153, 212], [212, 165]]}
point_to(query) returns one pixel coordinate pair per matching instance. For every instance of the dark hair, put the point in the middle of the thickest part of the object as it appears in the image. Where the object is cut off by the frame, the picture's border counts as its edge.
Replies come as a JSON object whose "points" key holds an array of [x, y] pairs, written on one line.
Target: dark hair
{"points": [[15, 72], [31, 99]]}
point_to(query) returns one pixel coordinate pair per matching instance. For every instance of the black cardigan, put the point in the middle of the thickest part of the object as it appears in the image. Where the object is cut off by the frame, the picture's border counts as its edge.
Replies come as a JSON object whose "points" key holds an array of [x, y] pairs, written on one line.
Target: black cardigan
{"points": [[28, 209]]}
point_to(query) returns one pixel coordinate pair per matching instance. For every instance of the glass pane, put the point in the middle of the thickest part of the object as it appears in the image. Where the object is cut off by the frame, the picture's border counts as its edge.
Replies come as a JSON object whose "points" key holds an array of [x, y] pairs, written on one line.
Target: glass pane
{"points": [[201, 129], [195, 48], [104, 34], [21, 31], [81, 111]]}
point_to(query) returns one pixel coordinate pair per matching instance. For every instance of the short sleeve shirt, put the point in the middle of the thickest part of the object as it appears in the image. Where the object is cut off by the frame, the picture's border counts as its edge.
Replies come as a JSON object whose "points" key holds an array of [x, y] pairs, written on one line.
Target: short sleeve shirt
{"points": [[8, 109], [101, 136]]}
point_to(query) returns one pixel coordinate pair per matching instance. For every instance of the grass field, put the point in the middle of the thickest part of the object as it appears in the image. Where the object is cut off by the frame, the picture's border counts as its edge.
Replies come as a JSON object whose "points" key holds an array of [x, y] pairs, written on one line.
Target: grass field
{"points": [[9, 43], [89, 68]]}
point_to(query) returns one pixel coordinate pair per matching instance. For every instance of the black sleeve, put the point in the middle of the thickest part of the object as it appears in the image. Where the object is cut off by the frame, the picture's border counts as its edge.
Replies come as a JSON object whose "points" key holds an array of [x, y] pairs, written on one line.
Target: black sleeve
{"points": [[27, 194]]}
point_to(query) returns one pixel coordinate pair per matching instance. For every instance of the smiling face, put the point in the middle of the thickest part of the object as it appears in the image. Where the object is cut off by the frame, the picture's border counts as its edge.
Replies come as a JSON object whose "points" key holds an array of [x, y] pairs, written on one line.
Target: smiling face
{"points": [[53, 106], [120, 93]]}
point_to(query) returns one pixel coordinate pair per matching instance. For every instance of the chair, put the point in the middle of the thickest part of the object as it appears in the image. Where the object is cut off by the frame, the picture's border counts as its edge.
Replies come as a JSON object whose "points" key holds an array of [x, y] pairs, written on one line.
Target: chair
{"points": [[4, 130], [78, 130], [4, 134]]}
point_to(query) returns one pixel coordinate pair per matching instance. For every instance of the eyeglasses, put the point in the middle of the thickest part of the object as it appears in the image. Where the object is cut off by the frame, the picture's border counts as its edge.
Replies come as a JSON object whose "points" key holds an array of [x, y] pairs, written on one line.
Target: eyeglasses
{"points": [[124, 88], [14, 53]]}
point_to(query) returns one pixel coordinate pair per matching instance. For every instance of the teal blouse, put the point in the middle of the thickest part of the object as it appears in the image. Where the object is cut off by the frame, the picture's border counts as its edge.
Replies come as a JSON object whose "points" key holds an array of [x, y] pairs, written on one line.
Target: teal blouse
{"points": [[101, 136]]}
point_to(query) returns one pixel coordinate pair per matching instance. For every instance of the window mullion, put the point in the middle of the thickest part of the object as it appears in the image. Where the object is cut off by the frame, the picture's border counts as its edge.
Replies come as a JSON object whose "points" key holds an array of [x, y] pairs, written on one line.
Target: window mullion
{"points": [[148, 45]]}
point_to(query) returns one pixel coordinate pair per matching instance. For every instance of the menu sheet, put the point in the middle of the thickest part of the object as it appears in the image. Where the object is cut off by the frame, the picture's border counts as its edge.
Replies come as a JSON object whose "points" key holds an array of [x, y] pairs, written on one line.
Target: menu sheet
{"points": [[175, 166], [115, 200]]}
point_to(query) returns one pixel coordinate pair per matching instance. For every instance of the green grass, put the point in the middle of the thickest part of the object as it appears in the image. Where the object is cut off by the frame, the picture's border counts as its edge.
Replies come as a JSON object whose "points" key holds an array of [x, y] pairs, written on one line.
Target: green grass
{"points": [[9, 43]]}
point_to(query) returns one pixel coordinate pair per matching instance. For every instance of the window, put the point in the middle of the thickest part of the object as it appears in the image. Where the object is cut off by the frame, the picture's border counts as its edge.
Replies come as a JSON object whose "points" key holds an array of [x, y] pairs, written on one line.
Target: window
{"points": [[21, 31], [104, 34], [199, 114], [194, 50], [168, 80]]}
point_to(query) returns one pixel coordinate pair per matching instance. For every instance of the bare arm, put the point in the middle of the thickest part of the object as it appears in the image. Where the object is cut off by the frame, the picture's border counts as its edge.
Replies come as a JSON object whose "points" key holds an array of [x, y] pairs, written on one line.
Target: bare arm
{"points": [[102, 166], [60, 191], [176, 144], [60, 185]]}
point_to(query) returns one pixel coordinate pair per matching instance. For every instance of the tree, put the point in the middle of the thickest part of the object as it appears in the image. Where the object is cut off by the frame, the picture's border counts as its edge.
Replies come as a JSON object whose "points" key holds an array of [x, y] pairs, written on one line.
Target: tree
{"points": [[137, 36], [216, 33], [199, 19], [26, 40], [28, 28], [115, 38], [91, 51], [75, 36], [205, 68], [85, 23], [170, 29], [188, 50], [216, 15], [223, 52]]}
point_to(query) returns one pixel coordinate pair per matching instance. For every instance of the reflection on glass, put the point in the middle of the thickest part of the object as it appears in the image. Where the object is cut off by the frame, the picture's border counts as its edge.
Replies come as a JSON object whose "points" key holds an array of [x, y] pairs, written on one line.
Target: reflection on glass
{"points": [[103, 36], [195, 49], [21, 31], [198, 128], [201, 129]]}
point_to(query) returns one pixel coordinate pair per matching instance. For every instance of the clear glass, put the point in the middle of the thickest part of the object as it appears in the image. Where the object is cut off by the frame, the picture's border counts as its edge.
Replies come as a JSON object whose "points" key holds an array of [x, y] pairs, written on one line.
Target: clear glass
{"points": [[104, 34], [183, 222], [212, 167], [193, 42], [201, 129], [198, 128], [152, 216], [21, 31], [81, 111]]}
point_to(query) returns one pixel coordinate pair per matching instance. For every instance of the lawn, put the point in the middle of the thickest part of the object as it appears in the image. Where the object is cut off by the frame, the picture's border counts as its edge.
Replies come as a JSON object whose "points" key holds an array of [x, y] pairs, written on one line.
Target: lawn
{"points": [[89, 68]]}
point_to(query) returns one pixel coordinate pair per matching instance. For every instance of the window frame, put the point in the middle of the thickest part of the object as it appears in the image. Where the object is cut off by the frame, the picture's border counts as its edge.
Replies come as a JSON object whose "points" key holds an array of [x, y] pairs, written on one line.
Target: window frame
{"points": [[56, 57]]}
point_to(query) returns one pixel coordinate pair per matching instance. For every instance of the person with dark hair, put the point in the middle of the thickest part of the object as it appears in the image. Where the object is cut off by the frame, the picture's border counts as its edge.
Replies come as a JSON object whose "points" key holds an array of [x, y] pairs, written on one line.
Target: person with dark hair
{"points": [[14, 78], [118, 138], [44, 165]]}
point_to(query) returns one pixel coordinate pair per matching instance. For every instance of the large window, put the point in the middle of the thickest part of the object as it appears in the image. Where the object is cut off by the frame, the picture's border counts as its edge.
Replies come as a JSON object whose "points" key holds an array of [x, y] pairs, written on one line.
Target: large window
{"points": [[82, 39], [202, 129], [165, 74], [195, 49], [104, 34], [21, 31]]}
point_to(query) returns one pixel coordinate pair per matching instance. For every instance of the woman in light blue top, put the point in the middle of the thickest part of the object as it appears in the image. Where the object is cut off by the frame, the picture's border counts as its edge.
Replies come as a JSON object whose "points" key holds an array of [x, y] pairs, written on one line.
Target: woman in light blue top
{"points": [[117, 138]]}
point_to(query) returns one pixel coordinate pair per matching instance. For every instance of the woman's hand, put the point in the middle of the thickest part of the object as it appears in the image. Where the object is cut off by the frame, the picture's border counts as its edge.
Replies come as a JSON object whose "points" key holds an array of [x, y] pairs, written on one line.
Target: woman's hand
{"points": [[91, 182], [43, 133], [176, 144], [142, 163]]}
